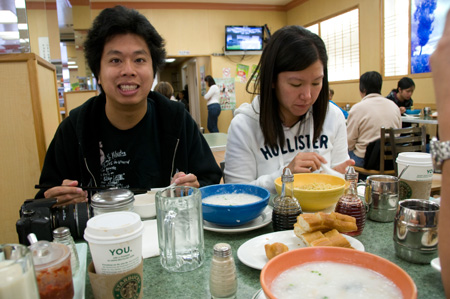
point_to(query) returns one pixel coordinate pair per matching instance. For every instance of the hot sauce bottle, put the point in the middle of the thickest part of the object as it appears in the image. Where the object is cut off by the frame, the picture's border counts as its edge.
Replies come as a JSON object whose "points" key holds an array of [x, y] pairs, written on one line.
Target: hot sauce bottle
{"points": [[53, 270], [286, 207], [350, 204]]}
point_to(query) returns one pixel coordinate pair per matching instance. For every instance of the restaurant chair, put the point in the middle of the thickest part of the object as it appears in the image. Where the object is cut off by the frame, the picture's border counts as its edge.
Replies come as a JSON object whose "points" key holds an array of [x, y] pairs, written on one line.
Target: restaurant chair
{"points": [[385, 157], [410, 139], [73, 99]]}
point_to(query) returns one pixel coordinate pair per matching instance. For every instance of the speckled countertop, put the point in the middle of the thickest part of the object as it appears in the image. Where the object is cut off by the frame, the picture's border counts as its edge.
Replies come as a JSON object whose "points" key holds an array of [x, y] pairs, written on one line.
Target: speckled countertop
{"points": [[376, 237]]}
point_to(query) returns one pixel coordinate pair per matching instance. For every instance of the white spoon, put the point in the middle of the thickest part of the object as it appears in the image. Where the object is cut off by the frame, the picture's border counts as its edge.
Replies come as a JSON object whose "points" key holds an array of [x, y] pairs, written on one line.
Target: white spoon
{"points": [[331, 171]]}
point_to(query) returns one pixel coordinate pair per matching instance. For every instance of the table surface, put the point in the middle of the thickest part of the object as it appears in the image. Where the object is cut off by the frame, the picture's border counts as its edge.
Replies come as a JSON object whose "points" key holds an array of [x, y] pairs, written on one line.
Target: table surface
{"points": [[420, 119], [376, 237], [216, 141]]}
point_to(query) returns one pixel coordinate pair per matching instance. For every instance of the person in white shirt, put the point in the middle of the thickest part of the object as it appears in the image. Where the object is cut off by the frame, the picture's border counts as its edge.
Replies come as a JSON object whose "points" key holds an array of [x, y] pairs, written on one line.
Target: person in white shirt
{"points": [[290, 123], [213, 98]]}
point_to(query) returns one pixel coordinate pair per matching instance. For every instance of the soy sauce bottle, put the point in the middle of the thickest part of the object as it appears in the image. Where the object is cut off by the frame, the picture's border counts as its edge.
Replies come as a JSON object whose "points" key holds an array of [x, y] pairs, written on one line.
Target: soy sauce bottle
{"points": [[350, 204], [285, 206]]}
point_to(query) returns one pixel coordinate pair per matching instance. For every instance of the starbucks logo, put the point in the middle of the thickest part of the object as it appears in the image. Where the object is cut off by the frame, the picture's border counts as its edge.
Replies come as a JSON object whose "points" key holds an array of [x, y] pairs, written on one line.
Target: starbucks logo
{"points": [[129, 287], [404, 191]]}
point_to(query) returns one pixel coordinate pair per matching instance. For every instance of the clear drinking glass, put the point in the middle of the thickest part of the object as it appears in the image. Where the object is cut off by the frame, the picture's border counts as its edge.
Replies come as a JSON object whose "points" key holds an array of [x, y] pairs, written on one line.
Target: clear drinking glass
{"points": [[180, 228], [17, 276]]}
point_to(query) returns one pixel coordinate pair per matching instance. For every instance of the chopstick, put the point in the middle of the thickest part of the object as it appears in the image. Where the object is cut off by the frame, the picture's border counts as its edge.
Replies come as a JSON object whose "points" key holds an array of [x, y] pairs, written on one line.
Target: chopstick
{"points": [[134, 190]]}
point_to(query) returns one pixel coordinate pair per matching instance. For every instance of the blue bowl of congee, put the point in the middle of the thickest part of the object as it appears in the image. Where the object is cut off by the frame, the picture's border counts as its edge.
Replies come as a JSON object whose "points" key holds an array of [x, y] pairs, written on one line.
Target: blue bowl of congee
{"points": [[233, 204]]}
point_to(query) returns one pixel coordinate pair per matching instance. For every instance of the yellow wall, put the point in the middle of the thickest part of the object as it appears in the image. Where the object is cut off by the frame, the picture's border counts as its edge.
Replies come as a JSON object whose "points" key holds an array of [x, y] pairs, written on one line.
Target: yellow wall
{"points": [[202, 32], [371, 46]]}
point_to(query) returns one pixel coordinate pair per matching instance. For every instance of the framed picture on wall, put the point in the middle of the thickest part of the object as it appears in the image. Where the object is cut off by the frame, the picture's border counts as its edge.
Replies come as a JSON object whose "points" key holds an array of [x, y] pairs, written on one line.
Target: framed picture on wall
{"points": [[427, 25]]}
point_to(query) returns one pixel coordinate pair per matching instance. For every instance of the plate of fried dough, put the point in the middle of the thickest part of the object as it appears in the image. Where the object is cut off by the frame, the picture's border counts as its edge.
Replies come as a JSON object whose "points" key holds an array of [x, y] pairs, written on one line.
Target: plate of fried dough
{"points": [[318, 229]]}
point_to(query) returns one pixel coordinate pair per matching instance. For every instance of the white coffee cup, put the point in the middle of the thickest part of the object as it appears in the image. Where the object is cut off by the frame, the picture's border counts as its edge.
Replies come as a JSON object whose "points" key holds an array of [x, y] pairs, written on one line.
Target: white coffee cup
{"points": [[415, 182], [115, 241]]}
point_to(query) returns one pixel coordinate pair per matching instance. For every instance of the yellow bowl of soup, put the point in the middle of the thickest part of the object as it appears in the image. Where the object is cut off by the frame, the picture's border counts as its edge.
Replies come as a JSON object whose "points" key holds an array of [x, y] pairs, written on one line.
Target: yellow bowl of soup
{"points": [[315, 191], [329, 271]]}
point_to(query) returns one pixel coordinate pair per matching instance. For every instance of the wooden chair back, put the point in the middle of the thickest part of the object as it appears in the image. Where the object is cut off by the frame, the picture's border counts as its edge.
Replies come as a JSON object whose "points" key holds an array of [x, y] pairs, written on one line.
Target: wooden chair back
{"points": [[73, 99], [386, 154], [410, 139]]}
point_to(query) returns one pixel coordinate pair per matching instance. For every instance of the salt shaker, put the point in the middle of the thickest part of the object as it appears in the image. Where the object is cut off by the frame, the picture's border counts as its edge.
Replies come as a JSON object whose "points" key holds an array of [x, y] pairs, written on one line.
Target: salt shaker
{"points": [[286, 207], [62, 235], [222, 279]]}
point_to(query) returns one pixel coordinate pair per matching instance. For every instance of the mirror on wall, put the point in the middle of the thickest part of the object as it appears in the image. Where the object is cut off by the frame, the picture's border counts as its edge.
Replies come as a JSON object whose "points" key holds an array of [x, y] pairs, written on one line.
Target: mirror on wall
{"points": [[73, 22], [14, 36]]}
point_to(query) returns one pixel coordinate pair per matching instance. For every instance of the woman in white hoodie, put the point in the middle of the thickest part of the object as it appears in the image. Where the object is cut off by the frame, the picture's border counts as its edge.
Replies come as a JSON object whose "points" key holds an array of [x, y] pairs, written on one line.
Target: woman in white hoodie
{"points": [[290, 122]]}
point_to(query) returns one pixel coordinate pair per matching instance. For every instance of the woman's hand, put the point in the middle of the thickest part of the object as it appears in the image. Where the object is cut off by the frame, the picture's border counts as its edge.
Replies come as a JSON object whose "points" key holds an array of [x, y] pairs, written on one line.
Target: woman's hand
{"points": [[306, 162], [182, 179], [342, 168], [402, 110], [67, 193]]}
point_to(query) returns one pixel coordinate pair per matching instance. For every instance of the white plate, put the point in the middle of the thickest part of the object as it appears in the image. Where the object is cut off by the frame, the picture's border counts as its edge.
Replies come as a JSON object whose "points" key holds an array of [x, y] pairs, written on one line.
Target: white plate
{"points": [[436, 264], [262, 220], [259, 295], [253, 254], [79, 280]]}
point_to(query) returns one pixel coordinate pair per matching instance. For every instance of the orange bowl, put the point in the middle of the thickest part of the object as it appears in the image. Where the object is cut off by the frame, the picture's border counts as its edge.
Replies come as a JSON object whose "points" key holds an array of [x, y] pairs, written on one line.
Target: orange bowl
{"points": [[300, 256]]}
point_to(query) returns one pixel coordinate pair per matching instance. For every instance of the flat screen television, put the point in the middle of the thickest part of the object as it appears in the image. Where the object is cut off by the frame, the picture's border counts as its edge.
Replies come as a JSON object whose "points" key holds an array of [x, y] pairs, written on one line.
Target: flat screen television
{"points": [[241, 40]]}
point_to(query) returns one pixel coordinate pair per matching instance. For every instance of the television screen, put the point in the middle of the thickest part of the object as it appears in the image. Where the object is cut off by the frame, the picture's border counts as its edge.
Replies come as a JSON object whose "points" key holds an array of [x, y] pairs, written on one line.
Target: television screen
{"points": [[243, 38]]}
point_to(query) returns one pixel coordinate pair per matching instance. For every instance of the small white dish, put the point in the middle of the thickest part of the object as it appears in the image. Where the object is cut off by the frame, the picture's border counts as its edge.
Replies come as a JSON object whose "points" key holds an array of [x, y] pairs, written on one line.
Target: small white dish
{"points": [[144, 205], [262, 220], [253, 254], [436, 264]]}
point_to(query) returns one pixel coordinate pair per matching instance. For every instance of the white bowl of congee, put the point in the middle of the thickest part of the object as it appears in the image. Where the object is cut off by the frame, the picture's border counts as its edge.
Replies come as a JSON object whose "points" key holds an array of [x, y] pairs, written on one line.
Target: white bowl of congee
{"points": [[233, 204], [315, 191], [332, 272]]}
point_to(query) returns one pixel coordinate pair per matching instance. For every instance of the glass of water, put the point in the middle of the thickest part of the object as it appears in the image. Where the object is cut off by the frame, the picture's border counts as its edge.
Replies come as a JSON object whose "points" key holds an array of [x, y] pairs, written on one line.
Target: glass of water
{"points": [[180, 228]]}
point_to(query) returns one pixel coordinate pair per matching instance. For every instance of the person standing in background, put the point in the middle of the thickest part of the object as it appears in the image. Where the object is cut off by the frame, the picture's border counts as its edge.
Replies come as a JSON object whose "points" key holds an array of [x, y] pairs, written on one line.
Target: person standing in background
{"points": [[402, 95], [180, 98], [440, 69], [213, 98]]}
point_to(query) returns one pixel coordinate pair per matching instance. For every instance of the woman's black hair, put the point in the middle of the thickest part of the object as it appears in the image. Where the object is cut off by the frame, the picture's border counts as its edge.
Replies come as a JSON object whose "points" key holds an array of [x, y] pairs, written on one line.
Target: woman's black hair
{"points": [[121, 20], [405, 83], [290, 49], [210, 80]]}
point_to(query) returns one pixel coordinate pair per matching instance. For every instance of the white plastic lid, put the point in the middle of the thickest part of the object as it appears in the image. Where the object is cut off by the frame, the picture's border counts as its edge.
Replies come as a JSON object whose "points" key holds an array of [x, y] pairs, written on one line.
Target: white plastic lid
{"points": [[113, 227], [415, 159]]}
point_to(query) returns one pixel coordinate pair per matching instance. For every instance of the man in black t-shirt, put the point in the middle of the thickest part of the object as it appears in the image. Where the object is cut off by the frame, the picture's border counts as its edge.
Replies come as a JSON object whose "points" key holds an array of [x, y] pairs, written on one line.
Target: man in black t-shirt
{"points": [[127, 137]]}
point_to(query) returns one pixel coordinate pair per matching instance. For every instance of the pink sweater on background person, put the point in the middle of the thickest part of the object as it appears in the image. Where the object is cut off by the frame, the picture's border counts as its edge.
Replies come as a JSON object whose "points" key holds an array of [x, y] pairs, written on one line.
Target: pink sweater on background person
{"points": [[366, 118]]}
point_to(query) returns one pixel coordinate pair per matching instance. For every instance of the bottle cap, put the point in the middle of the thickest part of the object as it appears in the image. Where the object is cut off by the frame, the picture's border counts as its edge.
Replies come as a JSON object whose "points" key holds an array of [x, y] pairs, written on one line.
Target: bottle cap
{"points": [[61, 232], [114, 198], [47, 254], [222, 249], [287, 176], [351, 174]]}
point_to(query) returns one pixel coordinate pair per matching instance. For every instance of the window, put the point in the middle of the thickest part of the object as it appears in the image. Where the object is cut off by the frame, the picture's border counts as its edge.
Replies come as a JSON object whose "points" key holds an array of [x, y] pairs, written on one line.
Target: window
{"points": [[396, 37], [341, 37], [314, 28]]}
